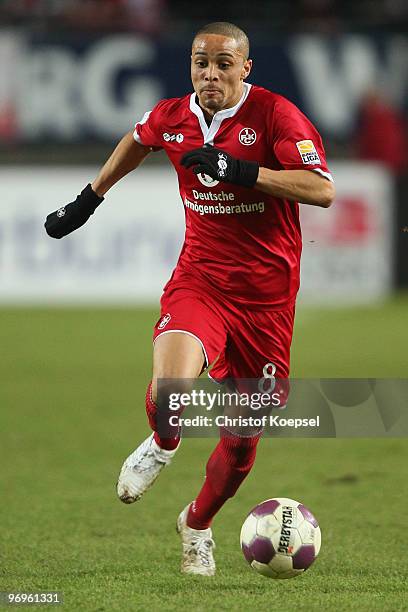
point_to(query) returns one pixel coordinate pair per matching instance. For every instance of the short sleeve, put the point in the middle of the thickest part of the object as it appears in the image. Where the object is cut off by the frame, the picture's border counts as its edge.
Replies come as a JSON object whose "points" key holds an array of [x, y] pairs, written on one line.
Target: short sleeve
{"points": [[147, 130], [297, 144]]}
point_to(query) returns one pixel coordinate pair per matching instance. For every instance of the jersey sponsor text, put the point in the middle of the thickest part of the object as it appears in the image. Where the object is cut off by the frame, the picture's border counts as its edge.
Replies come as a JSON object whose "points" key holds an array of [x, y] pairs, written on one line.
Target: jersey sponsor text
{"points": [[220, 209]]}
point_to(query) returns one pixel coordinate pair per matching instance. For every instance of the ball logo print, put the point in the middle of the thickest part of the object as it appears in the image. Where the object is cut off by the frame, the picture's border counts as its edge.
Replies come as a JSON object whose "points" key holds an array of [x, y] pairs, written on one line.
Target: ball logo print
{"points": [[61, 212], [247, 136], [207, 180]]}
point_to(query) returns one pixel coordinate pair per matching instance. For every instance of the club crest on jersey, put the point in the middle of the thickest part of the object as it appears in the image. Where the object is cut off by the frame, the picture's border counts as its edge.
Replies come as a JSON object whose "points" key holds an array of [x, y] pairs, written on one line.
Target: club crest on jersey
{"points": [[164, 320], [207, 180], [247, 136], [171, 137], [308, 152]]}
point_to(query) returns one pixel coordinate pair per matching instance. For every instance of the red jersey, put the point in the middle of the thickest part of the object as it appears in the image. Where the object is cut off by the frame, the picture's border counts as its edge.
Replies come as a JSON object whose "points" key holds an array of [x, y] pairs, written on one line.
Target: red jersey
{"points": [[240, 242]]}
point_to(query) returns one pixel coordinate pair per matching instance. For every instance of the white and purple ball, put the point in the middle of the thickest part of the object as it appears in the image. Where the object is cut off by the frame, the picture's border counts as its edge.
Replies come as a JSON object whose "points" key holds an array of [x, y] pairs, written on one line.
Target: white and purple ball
{"points": [[280, 538]]}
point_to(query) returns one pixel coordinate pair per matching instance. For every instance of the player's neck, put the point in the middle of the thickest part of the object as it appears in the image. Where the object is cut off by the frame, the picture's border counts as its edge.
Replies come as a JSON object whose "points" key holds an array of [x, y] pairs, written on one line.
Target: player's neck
{"points": [[208, 112], [208, 115]]}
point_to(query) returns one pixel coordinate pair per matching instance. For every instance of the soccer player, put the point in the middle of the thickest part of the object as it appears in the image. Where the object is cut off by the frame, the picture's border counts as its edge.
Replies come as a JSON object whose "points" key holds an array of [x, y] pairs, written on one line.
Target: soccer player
{"points": [[244, 157]]}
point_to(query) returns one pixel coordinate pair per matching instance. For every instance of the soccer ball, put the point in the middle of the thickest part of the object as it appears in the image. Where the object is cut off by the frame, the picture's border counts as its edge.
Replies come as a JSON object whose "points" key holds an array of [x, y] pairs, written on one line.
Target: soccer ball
{"points": [[280, 538]]}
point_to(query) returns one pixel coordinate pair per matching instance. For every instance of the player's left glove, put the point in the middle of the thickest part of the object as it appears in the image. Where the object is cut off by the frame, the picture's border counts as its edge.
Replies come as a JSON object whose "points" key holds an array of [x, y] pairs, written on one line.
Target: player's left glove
{"points": [[221, 166]]}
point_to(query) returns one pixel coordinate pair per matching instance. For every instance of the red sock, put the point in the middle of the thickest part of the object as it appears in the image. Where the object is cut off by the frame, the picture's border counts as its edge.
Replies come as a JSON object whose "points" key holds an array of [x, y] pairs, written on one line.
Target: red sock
{"points": [[229, 464], [204, 507], [167, 443]]}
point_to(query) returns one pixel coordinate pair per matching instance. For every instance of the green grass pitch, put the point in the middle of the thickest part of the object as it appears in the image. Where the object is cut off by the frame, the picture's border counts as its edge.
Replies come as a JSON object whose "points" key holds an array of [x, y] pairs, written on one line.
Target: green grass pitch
{"points": [[71, 408]]}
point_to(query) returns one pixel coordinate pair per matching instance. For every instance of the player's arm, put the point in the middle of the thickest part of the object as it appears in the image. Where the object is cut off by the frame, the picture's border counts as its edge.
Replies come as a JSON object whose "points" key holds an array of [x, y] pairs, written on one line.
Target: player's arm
{"points": [[303, 186], [297, 185], [127, 156]]}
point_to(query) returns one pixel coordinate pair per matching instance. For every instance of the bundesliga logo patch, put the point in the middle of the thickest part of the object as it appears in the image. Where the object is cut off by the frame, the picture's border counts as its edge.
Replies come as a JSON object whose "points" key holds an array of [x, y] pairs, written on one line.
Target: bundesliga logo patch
{"points": [[308, 152]]}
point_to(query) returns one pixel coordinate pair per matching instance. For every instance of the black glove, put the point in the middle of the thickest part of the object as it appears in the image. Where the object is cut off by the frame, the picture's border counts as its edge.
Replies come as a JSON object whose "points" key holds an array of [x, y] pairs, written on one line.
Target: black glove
{"points": [[221, 166], [72, 216]]}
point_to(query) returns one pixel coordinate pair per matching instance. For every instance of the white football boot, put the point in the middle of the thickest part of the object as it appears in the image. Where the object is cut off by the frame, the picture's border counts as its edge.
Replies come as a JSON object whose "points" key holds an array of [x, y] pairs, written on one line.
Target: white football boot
{"points": [[141, 469], [198, 547]]}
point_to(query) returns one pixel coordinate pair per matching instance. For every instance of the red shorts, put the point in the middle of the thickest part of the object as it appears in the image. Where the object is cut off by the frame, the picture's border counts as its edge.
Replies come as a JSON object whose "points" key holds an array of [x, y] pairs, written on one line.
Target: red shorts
{"points": [[243, 340]]}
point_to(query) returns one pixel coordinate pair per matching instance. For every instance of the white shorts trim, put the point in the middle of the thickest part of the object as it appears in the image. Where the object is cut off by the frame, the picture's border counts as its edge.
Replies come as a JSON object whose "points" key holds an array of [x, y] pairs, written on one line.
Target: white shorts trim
{"points": [[183, 331], [217, 382]]}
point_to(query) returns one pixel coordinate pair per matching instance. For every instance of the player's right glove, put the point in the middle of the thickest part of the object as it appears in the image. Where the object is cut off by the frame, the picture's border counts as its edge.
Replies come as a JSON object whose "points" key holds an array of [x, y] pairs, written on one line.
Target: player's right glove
{"points": [[221, 166], [72, 216]]}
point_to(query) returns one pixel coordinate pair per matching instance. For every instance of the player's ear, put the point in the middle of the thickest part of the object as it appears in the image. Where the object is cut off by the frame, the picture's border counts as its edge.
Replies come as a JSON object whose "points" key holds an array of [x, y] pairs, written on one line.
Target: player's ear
{"points": [[246, 69]]}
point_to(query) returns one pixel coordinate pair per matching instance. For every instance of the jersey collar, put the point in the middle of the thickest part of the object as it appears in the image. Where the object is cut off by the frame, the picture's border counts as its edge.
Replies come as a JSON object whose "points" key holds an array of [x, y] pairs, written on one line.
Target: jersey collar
{"points": [[210, 131]]}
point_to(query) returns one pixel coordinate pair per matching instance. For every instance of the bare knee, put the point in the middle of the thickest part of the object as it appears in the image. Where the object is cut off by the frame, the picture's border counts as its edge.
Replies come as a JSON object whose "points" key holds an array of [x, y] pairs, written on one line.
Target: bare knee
{"points": [[177, 356]]}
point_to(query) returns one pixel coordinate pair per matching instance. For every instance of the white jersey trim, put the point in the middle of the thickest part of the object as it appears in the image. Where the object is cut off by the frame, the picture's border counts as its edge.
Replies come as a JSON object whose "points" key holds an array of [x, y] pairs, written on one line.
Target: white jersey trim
{"points": [[326, 175], [209, 132], [141, 122]]}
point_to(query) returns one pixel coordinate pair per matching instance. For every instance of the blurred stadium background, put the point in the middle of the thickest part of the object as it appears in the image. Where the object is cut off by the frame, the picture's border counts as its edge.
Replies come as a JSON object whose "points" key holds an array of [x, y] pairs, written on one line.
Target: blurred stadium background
{"points": [[74, 76]]}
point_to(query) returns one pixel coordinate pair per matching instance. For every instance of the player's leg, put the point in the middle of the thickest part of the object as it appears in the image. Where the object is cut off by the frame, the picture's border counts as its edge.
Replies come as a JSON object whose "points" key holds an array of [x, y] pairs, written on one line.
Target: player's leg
{"points": [[264, 338], [178, 356], [227, 467], [188, 335]]}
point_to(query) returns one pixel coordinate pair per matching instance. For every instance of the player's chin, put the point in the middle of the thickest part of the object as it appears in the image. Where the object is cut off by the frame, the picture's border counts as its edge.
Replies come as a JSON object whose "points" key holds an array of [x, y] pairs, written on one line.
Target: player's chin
{"points": [[213, 102], [213, 105]]}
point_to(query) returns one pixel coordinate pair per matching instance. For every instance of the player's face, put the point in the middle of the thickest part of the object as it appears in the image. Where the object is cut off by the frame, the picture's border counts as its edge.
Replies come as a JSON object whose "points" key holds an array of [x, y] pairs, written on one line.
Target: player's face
{"points": [[218, 69]]}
